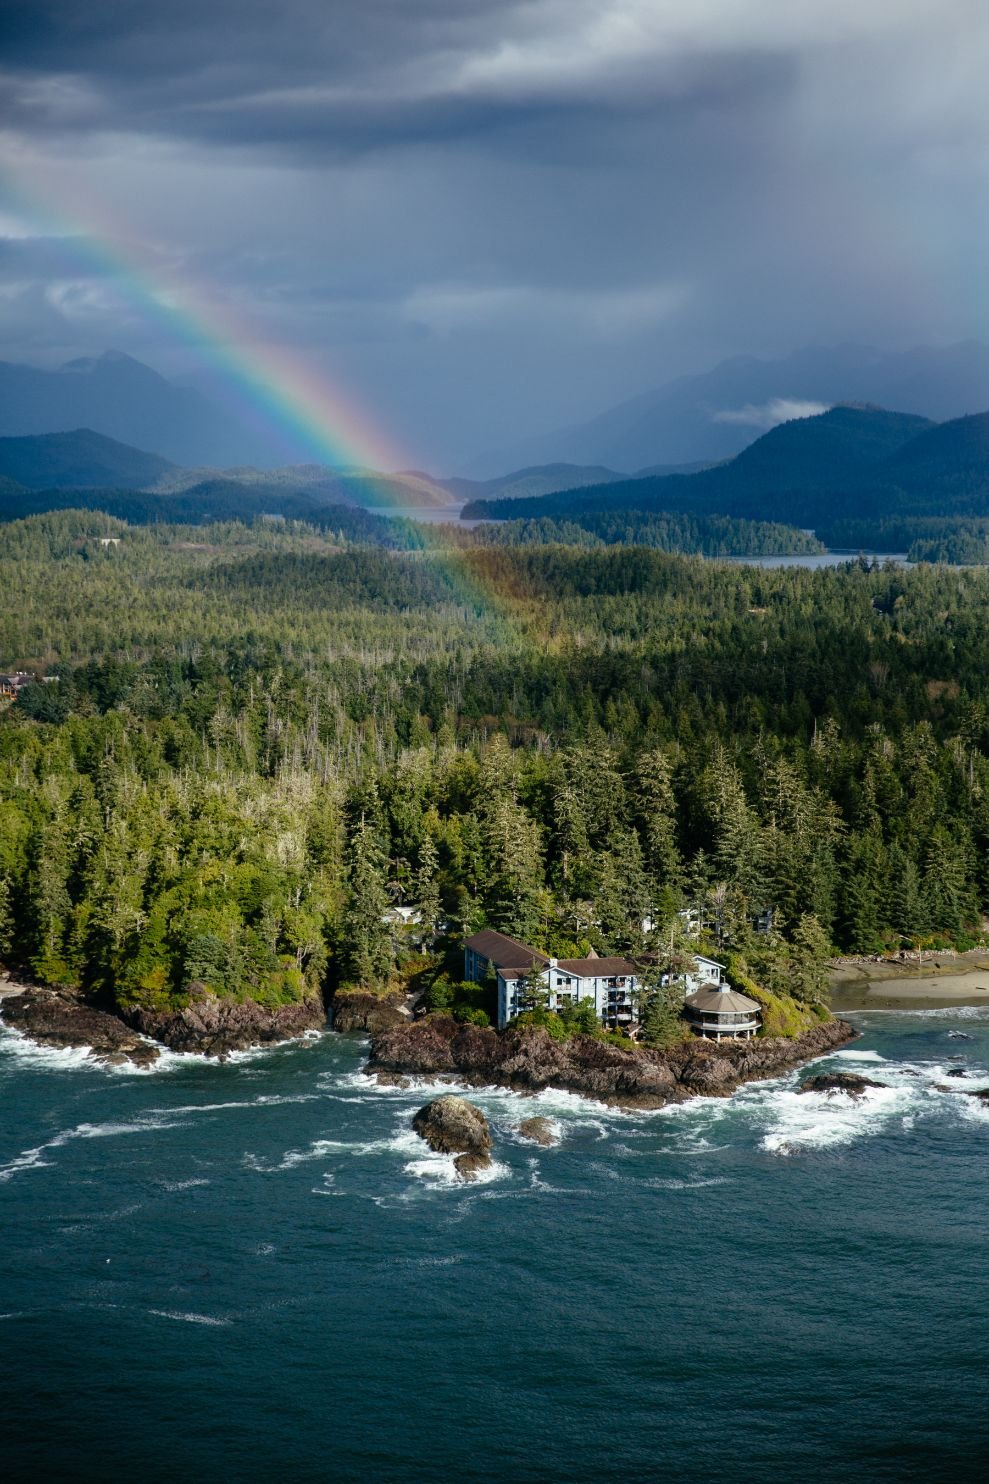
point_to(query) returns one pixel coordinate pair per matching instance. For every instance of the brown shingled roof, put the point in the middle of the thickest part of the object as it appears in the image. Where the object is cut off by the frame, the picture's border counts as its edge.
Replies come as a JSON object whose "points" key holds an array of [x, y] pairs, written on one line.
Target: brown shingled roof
{"points": [[502, 950], [591, 968], [714, 1000]]}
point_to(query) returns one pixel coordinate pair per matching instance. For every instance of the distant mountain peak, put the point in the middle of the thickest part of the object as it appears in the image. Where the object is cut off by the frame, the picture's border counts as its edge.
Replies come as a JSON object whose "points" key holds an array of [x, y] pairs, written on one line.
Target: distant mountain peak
{"points": [[712, 416], [122, 398], [89, 364]]}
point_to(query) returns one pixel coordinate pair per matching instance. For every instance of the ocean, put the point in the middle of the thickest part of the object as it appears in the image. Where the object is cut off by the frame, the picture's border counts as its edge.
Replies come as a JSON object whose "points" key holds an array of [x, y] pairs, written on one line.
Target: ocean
{"points": [[256, 1271]]}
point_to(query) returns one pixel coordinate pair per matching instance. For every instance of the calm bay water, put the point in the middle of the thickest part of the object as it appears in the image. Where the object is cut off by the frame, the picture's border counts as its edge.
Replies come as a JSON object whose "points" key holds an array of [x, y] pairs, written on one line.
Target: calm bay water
{"points": [[255, 1271]]}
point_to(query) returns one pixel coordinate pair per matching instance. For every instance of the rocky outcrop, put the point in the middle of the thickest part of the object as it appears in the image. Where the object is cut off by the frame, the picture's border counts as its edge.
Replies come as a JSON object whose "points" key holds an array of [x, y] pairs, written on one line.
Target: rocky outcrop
{"points": [[61, 1020], [539, 1130], [847, 1082], [528, 1059], [215, 1027], [452, 1125], [982, 1093], [358, 1010]]}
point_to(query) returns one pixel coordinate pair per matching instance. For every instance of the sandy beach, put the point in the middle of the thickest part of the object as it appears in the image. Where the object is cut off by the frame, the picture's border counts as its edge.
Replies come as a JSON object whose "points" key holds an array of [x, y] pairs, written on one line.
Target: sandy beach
{"points": [[943, 980]]}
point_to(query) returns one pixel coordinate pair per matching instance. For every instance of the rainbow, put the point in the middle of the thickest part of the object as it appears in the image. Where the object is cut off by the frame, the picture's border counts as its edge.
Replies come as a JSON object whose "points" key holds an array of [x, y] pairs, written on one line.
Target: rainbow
{"points": [[308, 409], [304, 408]]}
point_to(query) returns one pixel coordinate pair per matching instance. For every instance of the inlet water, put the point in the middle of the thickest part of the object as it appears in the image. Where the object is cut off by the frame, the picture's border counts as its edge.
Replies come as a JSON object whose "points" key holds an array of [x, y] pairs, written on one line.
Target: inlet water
{"points": [[256, 1271]]}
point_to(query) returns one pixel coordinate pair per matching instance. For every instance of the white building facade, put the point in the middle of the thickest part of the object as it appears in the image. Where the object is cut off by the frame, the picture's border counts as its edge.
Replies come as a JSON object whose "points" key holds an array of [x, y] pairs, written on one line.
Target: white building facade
{"points": [[707, 972], [525, 978]]}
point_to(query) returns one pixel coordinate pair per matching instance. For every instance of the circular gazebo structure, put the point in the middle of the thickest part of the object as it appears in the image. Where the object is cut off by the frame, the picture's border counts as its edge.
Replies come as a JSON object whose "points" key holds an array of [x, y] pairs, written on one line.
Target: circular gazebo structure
{"points": [[720, 1013]]}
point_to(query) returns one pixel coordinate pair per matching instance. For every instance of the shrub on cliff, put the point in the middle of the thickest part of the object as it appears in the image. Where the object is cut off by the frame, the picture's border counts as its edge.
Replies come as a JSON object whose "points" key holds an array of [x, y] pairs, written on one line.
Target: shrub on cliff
{"points": [[782, 1015]]}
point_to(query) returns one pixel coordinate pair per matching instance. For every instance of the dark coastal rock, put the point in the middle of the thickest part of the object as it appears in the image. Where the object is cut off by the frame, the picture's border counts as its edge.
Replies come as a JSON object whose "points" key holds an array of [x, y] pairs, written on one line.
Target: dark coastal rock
{"points": [[956, 1072], [452, 1125], [528, 1059], [539, 1130], [392, 1079], [63, 1021], [847, 1082], [982, 1093], [358, 1010], [215, 1027]]}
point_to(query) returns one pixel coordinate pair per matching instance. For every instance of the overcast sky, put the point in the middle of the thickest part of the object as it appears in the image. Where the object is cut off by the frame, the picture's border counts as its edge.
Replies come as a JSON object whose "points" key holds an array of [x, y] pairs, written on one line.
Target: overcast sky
{"points": [[491, 218]]}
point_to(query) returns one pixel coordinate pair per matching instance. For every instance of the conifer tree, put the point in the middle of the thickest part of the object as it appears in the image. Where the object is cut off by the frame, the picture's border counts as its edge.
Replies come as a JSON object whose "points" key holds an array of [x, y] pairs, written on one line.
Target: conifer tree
{"points": [[366, 953]]}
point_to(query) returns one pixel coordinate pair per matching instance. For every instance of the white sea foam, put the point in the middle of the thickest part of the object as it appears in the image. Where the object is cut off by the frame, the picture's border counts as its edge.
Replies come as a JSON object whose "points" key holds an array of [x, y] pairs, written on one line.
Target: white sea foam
{"points": [[785, 1120], [189, 1318], [687, 1184], [14, 1044], [29, 1159], [439, 1170], [32, 1159], [819, 1120]]}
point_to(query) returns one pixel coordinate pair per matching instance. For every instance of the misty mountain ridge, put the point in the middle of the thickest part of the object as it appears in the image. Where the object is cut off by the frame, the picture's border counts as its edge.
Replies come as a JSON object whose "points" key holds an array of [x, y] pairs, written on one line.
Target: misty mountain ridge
{"points": [[86, 460], [122, 398], [714, 415]]}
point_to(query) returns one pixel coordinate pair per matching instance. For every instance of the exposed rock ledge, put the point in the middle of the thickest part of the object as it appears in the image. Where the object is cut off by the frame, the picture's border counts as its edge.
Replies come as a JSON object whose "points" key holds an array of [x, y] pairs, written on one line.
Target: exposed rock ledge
{"points": [[215, 1027], [527, 1059], [359, 1010], [209, 1026], [63, 1022]]}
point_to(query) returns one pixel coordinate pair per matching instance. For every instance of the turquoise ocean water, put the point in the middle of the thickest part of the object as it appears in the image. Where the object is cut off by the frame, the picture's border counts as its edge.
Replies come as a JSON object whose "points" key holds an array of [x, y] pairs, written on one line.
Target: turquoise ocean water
{"points": [[256, 1271]]}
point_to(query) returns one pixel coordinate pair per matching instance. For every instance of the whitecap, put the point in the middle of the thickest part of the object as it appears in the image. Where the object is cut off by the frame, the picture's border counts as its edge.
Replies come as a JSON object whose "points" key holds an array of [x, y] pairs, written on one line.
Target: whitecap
{"points": [[657, 1184], [189, 1318], [31, 1159], [852, 1055], [817, 1120], [439, 1170], [16, 1044]]}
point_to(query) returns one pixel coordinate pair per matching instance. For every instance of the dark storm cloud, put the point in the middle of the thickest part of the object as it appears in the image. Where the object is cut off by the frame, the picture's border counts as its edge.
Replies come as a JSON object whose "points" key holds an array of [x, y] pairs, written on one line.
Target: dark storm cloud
{"points": [[506, 215], [324, 80]]}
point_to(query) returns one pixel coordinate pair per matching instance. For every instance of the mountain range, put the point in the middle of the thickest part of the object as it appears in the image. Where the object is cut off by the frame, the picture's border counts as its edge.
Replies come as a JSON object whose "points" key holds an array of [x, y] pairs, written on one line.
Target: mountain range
{"points": [[122, 398], [714, 415], [692, 420], [849, 464]]}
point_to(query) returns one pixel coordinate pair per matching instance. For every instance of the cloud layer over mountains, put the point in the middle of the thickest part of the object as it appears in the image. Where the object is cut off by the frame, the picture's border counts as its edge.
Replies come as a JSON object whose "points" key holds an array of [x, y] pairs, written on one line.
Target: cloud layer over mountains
{"points": [[490, 218]]}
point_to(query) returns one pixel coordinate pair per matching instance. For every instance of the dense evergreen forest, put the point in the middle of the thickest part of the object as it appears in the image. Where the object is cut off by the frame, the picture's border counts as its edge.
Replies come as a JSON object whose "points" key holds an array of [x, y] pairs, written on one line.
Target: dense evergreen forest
{"points": [[693, 535], [224, 500], [245, 743]]}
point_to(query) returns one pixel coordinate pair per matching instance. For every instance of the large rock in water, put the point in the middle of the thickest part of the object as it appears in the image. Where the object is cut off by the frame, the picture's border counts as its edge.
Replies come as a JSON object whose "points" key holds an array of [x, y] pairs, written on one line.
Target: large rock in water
{"points": [[848, 1082], [451, 1125], [539, 1130], [61, 1021]]}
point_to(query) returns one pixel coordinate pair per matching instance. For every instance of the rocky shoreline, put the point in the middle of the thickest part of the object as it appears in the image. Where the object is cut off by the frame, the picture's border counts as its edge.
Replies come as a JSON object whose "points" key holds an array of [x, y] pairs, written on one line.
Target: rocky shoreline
{"points": [[437, 1048], [529, 1060], [208, 1026]]}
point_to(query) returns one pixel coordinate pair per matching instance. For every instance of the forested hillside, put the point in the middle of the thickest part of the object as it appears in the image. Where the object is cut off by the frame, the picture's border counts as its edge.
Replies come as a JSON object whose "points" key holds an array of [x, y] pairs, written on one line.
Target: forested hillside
{"points": [[76, 460], [251, 740], [845, 474]]}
